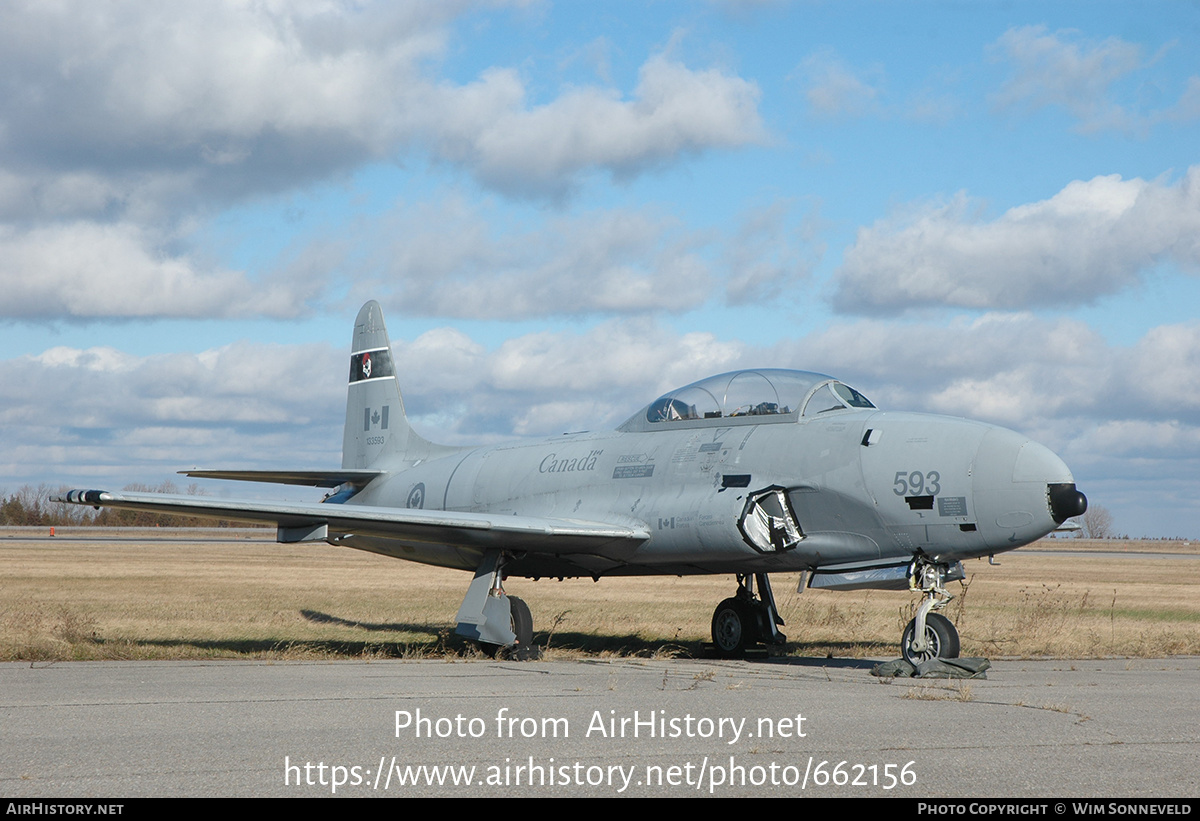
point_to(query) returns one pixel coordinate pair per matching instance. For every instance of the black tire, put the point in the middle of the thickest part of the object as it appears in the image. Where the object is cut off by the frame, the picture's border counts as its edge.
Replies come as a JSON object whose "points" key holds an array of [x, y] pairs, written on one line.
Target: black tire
{"points": [[941, 635], [733, 628], [521, 623]]}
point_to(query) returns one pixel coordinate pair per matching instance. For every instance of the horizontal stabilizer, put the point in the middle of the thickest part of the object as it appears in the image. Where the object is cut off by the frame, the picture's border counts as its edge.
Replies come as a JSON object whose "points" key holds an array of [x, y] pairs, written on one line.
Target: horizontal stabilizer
{"points": [[308, 478]]}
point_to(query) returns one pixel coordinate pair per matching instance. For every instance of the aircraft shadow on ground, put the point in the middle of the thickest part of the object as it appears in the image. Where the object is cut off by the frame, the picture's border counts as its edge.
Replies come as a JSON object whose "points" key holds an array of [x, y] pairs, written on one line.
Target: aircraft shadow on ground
{"points": [[317, 617], [622, 645], [439, 640], [815, 654]]}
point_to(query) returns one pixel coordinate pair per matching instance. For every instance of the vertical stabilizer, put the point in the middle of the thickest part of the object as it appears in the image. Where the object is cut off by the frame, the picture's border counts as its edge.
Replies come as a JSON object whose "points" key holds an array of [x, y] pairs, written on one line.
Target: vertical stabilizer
{"points": [[376, 426]]}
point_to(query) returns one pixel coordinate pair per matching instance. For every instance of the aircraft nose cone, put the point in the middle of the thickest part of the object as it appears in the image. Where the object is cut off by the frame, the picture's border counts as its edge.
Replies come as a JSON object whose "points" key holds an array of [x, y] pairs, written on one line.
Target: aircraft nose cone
{"points": [[1023, 489], [1037, 463]]}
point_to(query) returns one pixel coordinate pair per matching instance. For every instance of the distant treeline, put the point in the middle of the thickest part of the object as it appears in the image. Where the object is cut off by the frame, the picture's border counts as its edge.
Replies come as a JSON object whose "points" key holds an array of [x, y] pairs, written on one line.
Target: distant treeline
{"points": [[31, 507]]}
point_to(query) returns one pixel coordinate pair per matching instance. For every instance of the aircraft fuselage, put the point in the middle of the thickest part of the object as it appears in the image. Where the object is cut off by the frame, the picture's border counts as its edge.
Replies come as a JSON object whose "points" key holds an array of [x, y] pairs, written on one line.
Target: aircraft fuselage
{"points": [[862, 485]]}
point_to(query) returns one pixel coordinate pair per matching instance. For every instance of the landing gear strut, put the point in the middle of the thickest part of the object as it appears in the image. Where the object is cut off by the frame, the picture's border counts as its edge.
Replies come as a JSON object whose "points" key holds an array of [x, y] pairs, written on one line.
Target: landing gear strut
{"points": [[930, 635], [746, 619]]}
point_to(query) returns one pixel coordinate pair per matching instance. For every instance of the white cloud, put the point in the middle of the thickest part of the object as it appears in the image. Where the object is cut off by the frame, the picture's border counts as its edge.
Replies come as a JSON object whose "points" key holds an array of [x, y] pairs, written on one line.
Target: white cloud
{"points": [[613, 356], [86, 270], [69, 413], [1064, 69], [835, 89], [452, 259], [254, 97], [768, 256], [1082, 76], [544, 150], [1164, 372], [1139, 440], [1090, 239], [218, 68], [1188, 107], [1002, 368], [1012, 369], [103, 388], [547, 383], [91, 359], [124, 124]]}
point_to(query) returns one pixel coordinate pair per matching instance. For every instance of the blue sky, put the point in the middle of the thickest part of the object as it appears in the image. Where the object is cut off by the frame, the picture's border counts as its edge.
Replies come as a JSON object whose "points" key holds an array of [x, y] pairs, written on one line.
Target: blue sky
{"points": [[979, 209]]}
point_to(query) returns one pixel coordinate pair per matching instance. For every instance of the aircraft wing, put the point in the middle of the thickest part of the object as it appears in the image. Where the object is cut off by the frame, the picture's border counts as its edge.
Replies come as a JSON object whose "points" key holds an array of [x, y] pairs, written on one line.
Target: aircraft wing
{"points": [[310, 478], [314, 521]]}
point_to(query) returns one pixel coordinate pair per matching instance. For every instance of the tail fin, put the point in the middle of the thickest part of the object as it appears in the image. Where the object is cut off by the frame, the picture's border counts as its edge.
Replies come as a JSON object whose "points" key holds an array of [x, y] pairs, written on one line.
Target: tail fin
{"points": [[376, 425]]}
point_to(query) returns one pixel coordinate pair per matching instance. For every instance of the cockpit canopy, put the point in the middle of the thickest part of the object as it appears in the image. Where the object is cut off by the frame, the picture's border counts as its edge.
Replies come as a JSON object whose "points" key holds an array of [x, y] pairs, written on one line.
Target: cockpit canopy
{"points": [[764, 395]]}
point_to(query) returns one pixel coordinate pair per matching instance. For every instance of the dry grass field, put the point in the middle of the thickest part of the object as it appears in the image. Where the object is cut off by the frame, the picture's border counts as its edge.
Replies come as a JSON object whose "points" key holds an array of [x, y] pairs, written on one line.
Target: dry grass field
{"points": [[232, 594]]}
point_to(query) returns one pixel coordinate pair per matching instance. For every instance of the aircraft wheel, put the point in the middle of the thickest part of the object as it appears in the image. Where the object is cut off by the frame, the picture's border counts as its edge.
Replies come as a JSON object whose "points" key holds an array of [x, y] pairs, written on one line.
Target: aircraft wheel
{"points": [[941, 635], [521, 623], [733, 628]]}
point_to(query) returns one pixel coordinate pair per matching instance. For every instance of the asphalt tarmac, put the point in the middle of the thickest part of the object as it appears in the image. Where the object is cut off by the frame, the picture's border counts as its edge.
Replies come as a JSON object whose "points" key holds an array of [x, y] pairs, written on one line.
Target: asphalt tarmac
{"points": [[816, 727]]}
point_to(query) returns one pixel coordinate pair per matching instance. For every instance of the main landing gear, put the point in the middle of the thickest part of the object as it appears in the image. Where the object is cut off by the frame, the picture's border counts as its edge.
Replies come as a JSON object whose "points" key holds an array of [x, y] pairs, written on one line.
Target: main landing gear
{"points": [[499, 623], [745, 619], [930, 635]]}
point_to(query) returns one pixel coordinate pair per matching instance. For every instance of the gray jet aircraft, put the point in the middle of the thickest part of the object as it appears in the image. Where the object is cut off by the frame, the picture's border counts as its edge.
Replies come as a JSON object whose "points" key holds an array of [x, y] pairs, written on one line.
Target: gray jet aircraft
{"points": [[746, 473]]}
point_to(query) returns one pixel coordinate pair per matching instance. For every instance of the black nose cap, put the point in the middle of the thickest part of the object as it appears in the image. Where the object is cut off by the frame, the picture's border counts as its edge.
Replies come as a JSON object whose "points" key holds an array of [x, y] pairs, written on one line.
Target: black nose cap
{"points": [[1065, 501]]}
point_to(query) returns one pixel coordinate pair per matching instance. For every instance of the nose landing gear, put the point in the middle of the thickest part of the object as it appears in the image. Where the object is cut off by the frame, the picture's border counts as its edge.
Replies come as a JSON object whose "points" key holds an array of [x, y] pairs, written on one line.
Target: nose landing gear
{"points": [[930, 635]]}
